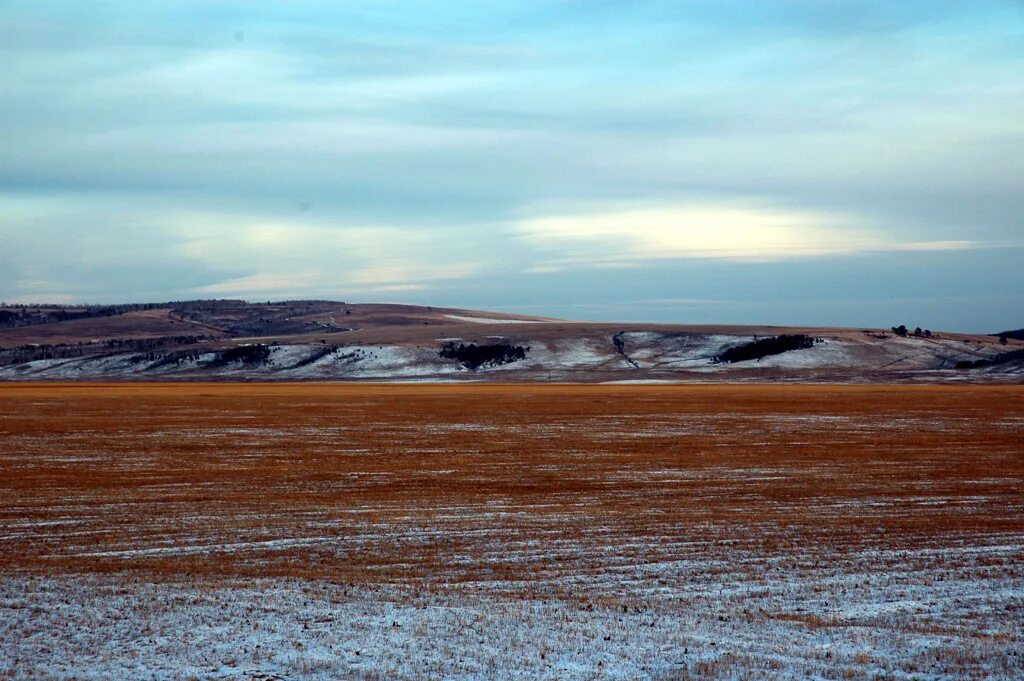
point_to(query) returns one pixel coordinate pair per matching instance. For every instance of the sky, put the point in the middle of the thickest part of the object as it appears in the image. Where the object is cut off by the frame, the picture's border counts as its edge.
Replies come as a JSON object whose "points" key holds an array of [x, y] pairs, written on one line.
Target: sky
{"points": [[818, 162]]}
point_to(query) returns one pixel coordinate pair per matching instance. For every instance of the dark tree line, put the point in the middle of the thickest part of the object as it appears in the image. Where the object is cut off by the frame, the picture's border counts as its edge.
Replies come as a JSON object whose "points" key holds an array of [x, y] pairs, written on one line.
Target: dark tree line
{"points": [[764, 347], [474, 356], [1001, 358], [903, 332], [246, 354]]}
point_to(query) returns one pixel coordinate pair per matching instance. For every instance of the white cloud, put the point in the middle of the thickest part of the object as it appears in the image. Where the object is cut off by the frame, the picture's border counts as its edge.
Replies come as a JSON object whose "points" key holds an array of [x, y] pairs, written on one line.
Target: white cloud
{"points": [[933, 246], [619, 235]]}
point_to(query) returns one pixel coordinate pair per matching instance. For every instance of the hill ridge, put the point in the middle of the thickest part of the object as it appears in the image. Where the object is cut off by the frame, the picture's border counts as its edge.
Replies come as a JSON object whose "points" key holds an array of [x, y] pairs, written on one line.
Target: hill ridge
{"points": [[224, 339]]}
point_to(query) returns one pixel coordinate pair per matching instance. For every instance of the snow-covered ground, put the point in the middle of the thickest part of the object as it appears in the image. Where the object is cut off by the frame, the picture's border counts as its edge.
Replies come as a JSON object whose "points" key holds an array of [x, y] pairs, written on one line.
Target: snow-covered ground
{"points": [[331, 532], [489, 320], [930, 614]]}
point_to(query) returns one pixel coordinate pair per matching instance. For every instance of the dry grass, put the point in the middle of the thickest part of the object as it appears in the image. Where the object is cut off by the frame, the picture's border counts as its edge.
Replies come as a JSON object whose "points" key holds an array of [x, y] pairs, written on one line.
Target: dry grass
{"points": [[440, 483], [136, 324], [736, 505]]}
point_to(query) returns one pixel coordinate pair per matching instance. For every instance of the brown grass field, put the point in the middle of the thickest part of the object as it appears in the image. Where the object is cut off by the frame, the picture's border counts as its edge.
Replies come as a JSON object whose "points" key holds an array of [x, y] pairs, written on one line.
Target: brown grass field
{"points": [[764, 525]]}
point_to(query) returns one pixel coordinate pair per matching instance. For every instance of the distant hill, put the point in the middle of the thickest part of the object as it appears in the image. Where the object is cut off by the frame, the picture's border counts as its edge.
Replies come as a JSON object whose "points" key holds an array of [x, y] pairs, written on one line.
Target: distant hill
{"points": [[1017, 334], [334, 340]]}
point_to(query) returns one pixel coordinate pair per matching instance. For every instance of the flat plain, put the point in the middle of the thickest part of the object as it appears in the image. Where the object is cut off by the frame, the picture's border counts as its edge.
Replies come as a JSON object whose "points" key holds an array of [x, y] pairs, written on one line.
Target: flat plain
{"points": [[321, 531]]}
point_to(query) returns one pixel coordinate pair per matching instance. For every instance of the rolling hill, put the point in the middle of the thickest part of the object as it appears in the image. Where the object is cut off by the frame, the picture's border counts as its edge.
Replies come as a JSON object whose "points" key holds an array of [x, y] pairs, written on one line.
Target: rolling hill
{"points": [[330, 340]]}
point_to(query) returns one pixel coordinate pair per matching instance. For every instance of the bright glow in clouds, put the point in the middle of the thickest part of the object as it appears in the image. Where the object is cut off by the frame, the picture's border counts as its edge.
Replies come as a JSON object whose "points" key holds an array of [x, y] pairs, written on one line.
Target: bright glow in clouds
{"points": [[707, 231]]}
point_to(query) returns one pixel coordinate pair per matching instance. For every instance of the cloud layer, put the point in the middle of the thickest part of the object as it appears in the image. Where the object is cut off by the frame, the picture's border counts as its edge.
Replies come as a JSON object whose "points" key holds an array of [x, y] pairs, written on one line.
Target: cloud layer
{"points": [[456, 152]]}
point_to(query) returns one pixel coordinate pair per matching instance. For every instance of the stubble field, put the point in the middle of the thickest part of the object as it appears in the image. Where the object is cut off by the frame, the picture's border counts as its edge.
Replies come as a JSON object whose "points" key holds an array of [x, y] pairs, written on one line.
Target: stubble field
{"points": [[312, 531]]}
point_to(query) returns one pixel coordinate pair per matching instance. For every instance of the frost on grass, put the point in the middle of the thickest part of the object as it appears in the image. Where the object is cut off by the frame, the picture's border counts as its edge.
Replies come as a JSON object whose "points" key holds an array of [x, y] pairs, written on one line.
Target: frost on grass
{"points": [[912, 615]]}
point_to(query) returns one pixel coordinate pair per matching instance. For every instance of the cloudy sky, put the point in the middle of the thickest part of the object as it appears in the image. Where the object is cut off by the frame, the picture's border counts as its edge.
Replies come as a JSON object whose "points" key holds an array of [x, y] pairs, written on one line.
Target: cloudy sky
{"points": [[826, 162]]}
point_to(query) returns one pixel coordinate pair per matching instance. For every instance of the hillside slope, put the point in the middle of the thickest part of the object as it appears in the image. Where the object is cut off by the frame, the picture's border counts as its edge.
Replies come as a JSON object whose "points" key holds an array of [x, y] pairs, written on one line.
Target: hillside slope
{"points": [[325, 340]]}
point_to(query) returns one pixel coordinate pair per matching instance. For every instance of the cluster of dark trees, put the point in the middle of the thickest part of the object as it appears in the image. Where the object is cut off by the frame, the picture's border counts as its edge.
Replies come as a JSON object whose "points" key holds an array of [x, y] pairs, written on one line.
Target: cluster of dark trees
{"points": [[474, 356], [246, 354], [1001, 358], [764, 347], [903, 332]]}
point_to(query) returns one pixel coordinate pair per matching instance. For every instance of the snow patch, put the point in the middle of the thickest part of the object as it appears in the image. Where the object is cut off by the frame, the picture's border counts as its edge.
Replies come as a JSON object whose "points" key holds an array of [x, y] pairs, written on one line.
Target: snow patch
{"points": [[486, 320]]}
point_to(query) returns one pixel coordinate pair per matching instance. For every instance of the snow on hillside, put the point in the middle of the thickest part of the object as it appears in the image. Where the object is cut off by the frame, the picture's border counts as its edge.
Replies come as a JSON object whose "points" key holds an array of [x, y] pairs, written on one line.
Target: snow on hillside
{"points": [[488, 320], [564, 354], [658, 353], [656, 350]]}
